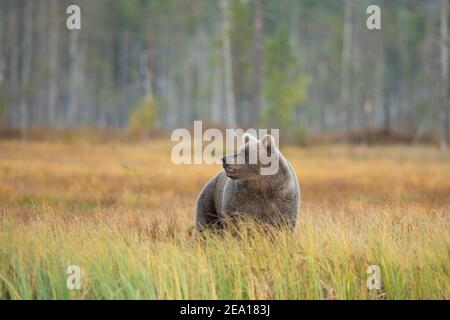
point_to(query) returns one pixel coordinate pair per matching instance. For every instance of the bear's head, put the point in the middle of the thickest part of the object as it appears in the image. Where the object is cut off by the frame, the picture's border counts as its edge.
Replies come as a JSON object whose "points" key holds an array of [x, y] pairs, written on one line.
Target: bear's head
{"points": [[254, 159]]}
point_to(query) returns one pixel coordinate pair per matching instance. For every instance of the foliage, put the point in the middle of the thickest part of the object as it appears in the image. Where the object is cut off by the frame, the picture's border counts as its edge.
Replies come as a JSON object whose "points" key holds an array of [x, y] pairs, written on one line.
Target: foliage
{"points": [[241, 34], [143, 118], [179, 43], [285, 87]]}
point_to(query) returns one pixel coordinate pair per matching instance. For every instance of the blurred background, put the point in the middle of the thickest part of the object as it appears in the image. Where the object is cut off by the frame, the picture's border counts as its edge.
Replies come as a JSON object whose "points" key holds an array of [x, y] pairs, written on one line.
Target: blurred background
{"points": [[310, 68]]}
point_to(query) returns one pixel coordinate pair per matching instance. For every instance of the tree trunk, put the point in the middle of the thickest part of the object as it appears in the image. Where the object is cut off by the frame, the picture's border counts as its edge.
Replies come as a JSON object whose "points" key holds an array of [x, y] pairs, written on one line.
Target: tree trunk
{"points": [[145, 75], [53, 56], [405, 94], [444, 74], [3, 39], [257, 65], [429, 75], [227, 65], [3, 45], [13, 45], [74, 74], [25, 67], [216, 97], [345, 105]]}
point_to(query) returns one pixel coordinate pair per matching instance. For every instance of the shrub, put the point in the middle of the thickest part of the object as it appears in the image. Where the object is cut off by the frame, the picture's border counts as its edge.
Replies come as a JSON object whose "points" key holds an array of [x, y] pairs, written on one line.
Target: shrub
{"points": [[143, 118]]}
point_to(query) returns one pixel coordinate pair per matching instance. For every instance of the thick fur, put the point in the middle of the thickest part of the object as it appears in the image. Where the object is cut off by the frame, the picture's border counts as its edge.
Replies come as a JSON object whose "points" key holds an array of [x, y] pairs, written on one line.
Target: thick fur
{"points": [[241, 190]]}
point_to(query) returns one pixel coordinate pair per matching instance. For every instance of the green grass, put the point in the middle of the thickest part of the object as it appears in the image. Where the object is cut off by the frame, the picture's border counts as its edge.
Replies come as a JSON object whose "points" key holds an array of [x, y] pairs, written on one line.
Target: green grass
{"points": [[321, 260]]}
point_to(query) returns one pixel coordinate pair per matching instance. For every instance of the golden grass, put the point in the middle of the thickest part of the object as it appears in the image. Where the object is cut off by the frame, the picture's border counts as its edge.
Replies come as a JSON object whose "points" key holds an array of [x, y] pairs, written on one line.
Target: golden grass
{"points": [[124, 213]]}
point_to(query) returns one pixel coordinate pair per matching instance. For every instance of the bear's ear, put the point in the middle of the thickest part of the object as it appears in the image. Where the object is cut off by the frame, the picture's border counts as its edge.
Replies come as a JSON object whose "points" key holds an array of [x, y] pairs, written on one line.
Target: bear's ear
{"points": [[268, 140], [246, 137]]}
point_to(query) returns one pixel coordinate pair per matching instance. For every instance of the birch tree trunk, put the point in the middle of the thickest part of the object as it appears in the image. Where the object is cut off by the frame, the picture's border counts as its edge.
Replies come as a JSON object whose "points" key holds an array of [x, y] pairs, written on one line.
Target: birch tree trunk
{"points": [[26, 68], [3, 39], [12, 41], [345, 106], [3, 46], [227, 64], [53, 56], [257, 64], [145, 75], [404, 67], [216, 97], [74, 52], [444, 74]]}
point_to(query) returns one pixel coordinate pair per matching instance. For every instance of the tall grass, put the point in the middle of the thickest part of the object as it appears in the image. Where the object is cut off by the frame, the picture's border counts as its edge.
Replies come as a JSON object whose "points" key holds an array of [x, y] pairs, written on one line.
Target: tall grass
{"points": [[130, 230]]}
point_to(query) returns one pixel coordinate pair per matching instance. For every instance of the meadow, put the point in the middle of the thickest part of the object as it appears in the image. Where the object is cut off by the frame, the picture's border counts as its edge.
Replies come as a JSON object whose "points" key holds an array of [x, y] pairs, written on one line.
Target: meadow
{"points": [[124, 214]]}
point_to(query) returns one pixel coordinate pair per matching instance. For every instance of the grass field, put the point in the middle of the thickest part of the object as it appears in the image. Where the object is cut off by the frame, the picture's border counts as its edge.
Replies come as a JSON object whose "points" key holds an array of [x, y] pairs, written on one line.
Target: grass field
{"points": [[124, 214]]}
